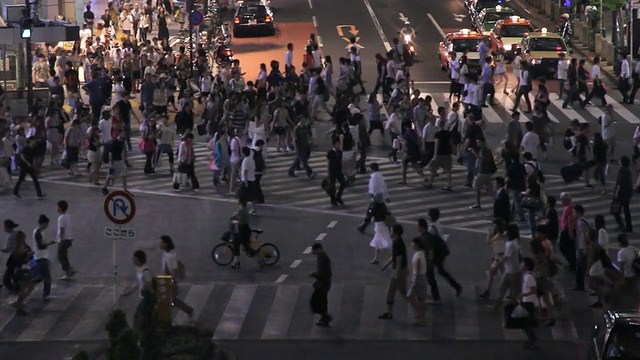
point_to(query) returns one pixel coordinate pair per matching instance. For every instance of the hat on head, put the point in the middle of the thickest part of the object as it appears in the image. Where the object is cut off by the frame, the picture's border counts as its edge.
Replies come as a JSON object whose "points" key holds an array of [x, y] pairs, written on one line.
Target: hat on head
{"points": [[10, 224]]}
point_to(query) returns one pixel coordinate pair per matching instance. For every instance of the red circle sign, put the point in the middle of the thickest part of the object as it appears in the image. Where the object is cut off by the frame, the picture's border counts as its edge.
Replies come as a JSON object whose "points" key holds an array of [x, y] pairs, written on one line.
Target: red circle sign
{"points": [[119, 207]]}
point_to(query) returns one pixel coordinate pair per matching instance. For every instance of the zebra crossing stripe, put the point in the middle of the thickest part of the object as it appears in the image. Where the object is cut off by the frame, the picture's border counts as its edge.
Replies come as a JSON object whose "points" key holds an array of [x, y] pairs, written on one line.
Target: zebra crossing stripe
{"points": [[235, 312], [47, 318], [279, 318], [197, 298], [568, 112], [620, 109]]}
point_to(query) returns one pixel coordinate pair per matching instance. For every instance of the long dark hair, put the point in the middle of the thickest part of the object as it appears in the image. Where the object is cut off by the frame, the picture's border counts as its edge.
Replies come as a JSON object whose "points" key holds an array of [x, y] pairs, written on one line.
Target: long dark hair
{"points": [[168, 242]]}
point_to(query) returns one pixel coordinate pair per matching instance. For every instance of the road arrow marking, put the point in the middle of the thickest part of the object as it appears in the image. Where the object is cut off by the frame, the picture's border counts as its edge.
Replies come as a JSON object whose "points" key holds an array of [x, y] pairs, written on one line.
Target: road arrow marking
{"points": [[352, 29], [459, 17], [404, 19]]}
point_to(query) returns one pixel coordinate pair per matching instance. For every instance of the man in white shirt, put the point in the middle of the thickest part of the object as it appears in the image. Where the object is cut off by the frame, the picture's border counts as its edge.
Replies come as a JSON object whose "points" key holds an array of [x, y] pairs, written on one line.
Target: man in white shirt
{"points": [[65, 239], [528, 298], [607, 129], [454, 68], [626, 255], [165, 145], [561, 73], [597, 90], [510, 261], [41, 254], [530, 141], [623, 79], [377, 191], [288, 57], [248, 177]]}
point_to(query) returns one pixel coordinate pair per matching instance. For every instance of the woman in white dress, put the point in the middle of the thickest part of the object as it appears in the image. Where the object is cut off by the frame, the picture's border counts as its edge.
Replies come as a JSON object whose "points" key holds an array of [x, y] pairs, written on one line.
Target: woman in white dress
{"points": [[381, 238], [516, 69], [258, 130], [501, 71]]}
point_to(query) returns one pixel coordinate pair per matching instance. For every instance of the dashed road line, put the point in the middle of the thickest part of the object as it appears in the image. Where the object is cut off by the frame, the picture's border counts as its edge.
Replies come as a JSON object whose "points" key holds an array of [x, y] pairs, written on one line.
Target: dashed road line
{"points": [[307, 251], [310, 5], [332, 224], [281, 278], [315, 21], [295, 264], [321, 236]]}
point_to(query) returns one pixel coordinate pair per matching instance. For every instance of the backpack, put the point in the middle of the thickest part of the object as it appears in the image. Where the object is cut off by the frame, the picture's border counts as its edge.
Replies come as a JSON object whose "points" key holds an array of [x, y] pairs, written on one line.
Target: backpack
{"points": [[440, 247], [536, 171], [180, 271]]}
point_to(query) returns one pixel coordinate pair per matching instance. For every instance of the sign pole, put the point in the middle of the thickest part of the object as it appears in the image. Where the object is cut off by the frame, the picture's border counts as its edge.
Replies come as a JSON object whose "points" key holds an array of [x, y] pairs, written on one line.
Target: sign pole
{"points": [[115, 275]]}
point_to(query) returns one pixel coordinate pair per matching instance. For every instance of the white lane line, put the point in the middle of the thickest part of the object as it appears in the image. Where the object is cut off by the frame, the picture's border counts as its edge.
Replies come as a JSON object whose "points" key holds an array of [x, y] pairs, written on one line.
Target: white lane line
{"points": [[435, 23], [310, 5], [281, 278], [321, 237], [315, 21], [332, 224], [385, 42], [307, 251], [295, 264]]}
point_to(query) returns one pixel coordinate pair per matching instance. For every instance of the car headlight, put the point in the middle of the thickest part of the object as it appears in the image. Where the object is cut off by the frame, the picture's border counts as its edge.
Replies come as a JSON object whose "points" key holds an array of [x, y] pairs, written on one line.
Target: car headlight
{"points": [[507, 47], [407, 38], [536, 61]]}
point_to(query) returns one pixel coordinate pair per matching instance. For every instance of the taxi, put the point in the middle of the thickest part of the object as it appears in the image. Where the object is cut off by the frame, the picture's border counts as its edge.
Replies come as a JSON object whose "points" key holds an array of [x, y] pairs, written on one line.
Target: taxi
{"points": [[508, 33], [541, 49], [487, 18], [460, 42]]}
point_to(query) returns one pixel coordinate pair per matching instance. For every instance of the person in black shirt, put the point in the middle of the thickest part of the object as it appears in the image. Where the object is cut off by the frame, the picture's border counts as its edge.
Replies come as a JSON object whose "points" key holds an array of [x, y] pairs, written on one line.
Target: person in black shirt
{"points": [[26, 168], [334, 168], [398, 262], [471, 135], [89, 17], [411, 146], [574, 91], [581, 150], [552, 221], [117, 163], [442, 159]]}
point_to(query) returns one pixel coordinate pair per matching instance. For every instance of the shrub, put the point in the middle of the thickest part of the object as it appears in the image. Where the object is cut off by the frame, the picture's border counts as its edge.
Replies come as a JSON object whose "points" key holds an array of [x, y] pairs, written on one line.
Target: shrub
{"points": [[81, 355], [147, 326], [115, 325], [127, 346]]}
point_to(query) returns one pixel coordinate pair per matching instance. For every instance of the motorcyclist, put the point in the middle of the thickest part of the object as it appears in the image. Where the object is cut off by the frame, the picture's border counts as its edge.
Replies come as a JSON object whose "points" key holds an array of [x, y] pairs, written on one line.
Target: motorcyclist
{"points": [[407, 30]]}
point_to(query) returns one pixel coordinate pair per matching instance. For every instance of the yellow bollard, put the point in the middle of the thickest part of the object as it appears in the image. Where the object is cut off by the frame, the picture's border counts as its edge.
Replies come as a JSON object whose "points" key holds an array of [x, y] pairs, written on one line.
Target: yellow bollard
{"points": [[164, 292]]}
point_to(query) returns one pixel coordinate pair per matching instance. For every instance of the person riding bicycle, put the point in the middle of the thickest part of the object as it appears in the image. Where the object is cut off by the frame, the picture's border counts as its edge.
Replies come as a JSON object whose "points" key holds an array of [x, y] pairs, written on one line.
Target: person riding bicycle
{"points": [[242, 235]]}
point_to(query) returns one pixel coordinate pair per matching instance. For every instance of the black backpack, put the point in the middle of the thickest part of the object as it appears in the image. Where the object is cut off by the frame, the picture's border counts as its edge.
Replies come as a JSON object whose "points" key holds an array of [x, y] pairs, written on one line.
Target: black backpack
{"points": [[440, 248], [536, 172]]}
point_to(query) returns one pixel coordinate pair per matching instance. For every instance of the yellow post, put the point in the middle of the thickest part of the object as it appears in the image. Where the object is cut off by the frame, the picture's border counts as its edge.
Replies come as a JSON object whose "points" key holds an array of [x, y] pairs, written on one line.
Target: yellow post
{"points": [[164, 292]]}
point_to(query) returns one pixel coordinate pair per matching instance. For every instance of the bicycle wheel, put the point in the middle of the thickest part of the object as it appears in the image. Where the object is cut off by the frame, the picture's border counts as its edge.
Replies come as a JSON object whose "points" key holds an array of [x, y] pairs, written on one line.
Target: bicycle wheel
{"points": [[269, 254], [222, 254]]}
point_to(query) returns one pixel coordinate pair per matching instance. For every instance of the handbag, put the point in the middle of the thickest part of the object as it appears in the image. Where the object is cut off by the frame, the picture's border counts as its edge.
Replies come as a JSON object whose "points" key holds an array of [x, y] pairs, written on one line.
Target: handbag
{"points": [[616, 207], [64, 160], [530, 202], [518, 322], [519, 312], [212, 165]]}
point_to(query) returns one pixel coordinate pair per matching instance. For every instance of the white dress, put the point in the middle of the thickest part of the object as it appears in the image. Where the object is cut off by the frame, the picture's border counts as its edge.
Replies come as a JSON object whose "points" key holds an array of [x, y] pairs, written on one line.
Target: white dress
{"points": [[381, 238]]}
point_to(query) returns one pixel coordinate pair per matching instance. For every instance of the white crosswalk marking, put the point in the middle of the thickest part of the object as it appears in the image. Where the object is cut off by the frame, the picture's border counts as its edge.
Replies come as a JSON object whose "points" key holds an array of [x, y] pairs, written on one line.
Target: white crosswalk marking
{"points": [[283, 314], [622, 111], [569, 112]]}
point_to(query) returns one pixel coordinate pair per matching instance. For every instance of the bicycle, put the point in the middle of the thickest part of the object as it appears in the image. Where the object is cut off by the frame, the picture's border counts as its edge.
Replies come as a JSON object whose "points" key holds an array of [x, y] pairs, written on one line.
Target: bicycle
{"points": [[267, 253]]}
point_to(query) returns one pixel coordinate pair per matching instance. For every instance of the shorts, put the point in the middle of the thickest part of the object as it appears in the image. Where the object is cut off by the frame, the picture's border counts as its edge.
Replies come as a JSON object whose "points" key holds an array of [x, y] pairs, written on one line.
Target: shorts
{"points": [[347, 155], [410, 159], [73, 152], [118, 168], [440, 161], [482, 181], [611, 142], [94, 157], [279, 130], [418, 287]]}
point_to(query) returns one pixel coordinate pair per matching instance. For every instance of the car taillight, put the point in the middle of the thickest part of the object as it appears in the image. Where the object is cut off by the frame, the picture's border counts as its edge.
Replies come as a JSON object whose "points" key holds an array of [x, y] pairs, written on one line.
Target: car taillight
{"points": [[267, 19], [227, 52], [236, 20]]}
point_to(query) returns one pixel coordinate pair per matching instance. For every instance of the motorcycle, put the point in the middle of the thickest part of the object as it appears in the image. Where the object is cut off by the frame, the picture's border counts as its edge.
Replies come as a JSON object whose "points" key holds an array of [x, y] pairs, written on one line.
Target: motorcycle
{"points": [[409, 53], [222, 53]]}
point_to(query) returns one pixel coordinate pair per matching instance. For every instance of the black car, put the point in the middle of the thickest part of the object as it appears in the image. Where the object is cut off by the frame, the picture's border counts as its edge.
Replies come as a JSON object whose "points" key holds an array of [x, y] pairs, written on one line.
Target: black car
{"points": [[617, 336], [253, 17]]}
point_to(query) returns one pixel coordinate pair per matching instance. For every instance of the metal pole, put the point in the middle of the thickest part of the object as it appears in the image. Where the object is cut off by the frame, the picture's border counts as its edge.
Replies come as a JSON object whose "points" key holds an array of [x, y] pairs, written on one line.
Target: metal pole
{"points": [[29, 61], [189, 11], [115, 275], [632, 50], [4, 66], [601, 18]]}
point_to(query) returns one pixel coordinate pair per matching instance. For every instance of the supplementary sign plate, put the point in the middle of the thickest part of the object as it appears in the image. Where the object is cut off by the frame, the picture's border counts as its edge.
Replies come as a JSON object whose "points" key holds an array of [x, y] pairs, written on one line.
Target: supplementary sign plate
{"points": [[118, 232]]}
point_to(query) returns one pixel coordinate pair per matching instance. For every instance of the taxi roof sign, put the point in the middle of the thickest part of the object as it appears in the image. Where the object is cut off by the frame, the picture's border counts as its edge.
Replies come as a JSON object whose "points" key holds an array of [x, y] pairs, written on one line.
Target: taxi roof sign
{"points": [[515, 18], [498, 8], [465, 31], [543, 30]]}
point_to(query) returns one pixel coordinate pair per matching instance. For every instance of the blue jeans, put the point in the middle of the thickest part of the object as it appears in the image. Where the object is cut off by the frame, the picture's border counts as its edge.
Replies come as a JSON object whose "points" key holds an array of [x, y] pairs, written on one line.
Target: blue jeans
{"points": [[127, 134], [45, 275], [470, 163], [516, 204], [599, 172], [531, 212], [302, 156], [580, 268]]}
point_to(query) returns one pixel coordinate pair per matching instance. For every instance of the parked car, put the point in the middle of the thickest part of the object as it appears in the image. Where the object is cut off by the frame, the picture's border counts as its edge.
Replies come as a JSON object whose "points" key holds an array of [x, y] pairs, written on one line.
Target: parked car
{"points": [[253, 17], [616, 336]]}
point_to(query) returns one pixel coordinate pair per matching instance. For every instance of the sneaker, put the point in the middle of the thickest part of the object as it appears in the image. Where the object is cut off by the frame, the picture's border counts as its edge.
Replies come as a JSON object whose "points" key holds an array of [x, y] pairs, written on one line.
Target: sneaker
{"points": [[291, 174], [476, 206], [105, 191], [65, 278], [322, 323], [17, 196], [459, 291], [484, 295], [41, 196], [253, 213], [312, 176], [386, 316]]}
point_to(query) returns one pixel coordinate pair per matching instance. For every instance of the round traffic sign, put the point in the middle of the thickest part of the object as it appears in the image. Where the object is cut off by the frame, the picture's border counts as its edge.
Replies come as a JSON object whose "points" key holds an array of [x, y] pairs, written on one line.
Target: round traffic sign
{"points": [[196, 18], [119, 207]]}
